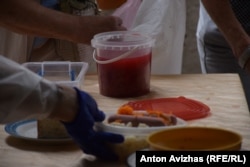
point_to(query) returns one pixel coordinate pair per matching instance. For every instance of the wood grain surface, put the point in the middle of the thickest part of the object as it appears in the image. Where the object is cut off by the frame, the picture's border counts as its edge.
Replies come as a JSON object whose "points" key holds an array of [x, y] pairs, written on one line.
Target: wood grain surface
{"points": [[223, 93]]}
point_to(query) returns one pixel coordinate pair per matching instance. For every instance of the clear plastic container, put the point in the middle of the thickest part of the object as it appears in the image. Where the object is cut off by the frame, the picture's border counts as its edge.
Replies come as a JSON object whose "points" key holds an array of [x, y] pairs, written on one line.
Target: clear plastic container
{"points": [[61, 72], [123, 63]]}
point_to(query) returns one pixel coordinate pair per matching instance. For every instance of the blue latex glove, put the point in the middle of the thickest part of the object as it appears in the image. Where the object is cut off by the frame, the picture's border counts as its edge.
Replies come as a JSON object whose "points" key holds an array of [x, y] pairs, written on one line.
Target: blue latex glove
{"points": [[82, 132]]}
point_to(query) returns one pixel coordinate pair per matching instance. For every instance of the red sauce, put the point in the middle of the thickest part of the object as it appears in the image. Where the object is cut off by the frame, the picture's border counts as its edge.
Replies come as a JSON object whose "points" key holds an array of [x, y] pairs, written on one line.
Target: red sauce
{"points": [[129, 77]]}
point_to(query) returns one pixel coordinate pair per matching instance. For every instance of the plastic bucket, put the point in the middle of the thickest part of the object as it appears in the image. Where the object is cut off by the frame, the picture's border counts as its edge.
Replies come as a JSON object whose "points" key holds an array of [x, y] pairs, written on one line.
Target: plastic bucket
{"points": [[123, 63]]}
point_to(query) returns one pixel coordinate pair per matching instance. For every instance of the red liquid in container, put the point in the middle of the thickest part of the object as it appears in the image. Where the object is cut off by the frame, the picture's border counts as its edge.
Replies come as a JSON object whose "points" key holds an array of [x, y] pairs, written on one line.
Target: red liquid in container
{"points": [[128, 77]]}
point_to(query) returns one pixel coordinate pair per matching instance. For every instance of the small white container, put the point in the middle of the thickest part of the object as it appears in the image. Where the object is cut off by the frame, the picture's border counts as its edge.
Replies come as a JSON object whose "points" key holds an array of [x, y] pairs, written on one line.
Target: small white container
{"points": [[62, 72], [135, 137]]}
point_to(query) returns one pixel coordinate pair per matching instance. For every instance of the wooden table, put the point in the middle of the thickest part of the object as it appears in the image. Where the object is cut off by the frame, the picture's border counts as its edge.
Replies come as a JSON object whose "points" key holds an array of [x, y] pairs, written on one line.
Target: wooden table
{"points": [[223, 93]]}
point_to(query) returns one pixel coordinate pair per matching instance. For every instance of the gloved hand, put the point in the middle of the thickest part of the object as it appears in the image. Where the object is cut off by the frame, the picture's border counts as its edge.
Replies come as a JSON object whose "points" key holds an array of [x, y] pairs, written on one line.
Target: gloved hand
{"points": [[82, 132]]}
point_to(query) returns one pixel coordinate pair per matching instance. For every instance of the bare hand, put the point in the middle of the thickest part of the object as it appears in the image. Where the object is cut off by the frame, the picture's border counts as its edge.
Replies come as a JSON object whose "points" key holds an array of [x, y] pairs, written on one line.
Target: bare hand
{"points": [[91, 25]]}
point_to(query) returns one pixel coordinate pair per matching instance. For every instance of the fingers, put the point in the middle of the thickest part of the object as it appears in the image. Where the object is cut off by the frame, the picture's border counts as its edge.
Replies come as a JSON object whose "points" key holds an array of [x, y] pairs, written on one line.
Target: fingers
{"points": [[118, 23], [91, 106], [97, 114]]}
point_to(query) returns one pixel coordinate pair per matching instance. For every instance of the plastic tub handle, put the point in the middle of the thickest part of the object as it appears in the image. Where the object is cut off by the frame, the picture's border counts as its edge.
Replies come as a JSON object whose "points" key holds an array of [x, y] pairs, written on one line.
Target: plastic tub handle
{"points": [[114, 59]]}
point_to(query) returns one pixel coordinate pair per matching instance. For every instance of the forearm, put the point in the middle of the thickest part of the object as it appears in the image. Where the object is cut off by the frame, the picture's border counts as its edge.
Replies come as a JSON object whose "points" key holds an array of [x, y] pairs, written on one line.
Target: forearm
{"points": [[222, 14], [25, 95], [29, 17]]}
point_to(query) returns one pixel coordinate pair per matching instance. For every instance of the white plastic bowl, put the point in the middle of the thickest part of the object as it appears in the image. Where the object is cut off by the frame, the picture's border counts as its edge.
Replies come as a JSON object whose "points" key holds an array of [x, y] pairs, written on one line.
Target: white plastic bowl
{"points": [[135, 137]]}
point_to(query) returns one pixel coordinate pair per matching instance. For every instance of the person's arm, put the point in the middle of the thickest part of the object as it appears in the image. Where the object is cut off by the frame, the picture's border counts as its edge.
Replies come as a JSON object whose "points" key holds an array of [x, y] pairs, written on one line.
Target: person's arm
{"points": [[25, 95], [222, 14], [29, 17]]}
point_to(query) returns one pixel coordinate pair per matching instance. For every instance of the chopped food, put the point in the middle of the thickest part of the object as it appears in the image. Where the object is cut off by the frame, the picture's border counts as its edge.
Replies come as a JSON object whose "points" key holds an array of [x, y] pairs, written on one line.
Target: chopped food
{"points": [[126, 115]]}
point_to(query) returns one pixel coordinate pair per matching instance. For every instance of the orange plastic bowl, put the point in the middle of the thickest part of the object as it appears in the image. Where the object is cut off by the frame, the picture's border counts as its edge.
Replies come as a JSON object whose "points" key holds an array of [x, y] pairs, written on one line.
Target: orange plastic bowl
{"points": [[195, 138]]}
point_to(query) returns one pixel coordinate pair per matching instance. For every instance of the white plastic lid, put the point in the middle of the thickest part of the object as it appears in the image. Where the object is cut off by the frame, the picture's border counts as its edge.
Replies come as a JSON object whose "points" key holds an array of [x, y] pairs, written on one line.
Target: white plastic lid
{"points": [[122, 40]]}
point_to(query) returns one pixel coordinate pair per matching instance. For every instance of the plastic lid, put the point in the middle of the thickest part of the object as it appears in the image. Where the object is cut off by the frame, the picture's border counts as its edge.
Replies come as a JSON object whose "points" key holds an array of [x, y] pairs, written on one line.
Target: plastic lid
{"points": [[122, 40], [184, 108]]}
